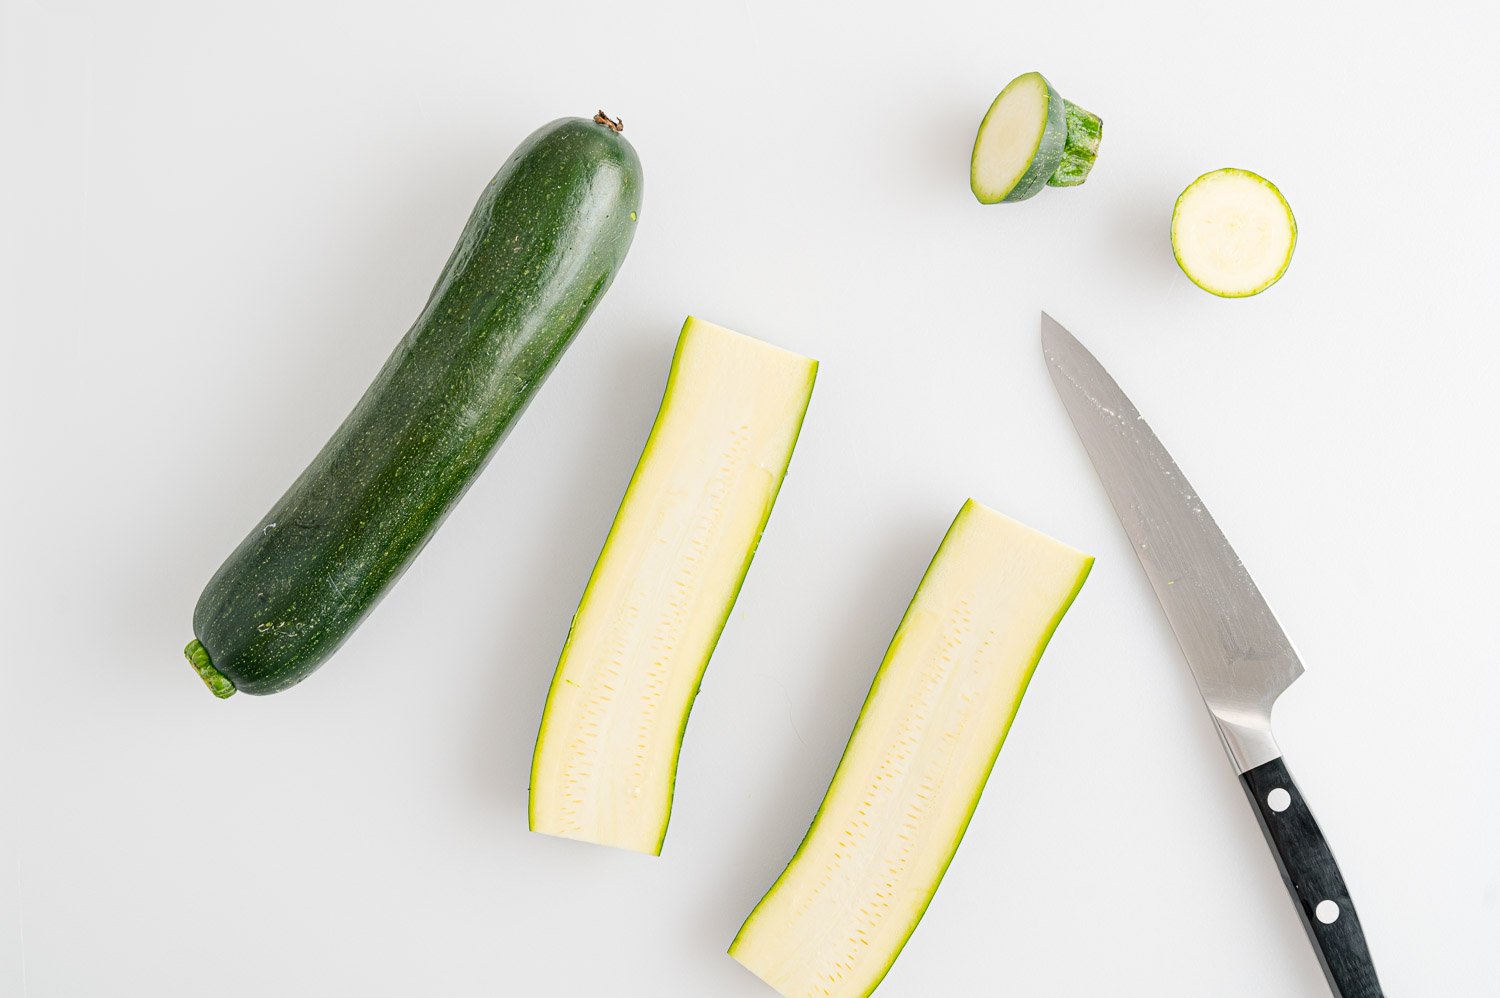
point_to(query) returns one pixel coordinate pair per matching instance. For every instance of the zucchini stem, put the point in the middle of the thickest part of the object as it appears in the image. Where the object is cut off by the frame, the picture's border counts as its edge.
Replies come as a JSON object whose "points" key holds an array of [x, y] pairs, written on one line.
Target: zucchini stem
{"points": [[613, 124], [1080, 147], [219, 684]]}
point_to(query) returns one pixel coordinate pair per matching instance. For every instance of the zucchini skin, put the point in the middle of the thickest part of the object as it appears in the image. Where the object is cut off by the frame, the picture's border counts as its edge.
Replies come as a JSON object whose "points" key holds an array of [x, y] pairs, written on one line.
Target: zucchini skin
{"points": [[541, 247], [1085, 130], [1049, 150]]}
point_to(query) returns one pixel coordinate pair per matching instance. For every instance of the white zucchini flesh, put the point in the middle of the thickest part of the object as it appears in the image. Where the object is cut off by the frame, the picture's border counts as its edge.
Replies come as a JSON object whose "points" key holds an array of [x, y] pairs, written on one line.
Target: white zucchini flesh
{"points": [[1020, 141], [606, 756], [928, 735], [1233, 233]]}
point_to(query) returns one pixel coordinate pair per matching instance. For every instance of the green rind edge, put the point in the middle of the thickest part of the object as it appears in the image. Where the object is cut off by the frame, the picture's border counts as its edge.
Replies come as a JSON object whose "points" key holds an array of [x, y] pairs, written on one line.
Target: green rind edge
{"points": [[1289, 250], [646, 451], [219, 684], [1080, 148], [1045, 157], [1083, 574]]}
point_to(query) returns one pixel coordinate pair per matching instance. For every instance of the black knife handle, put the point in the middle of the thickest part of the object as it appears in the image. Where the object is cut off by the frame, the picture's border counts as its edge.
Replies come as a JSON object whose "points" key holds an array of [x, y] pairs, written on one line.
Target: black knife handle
{"points": [[1313, 877]]}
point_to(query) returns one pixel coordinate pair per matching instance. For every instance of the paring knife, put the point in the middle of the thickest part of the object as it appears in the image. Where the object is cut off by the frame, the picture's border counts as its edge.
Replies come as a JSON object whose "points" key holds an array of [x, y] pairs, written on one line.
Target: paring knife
{"points": [[1239, 655]]}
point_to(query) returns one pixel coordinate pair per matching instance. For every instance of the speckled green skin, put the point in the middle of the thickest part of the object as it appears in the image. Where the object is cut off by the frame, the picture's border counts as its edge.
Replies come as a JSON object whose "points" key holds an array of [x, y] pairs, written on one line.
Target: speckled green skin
{"points": [[1080, 147], [541, 247]]}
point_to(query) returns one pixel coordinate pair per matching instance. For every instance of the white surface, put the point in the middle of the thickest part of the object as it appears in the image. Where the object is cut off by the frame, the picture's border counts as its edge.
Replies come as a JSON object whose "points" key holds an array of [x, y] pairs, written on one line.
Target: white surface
{"points": [[216, 225]]}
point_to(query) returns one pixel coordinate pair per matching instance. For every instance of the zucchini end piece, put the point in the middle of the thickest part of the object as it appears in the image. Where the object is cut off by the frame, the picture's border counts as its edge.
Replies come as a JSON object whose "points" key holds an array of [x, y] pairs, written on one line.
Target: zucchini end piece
{"points": [[1080, 146], [1032, 138], [218, 684]]}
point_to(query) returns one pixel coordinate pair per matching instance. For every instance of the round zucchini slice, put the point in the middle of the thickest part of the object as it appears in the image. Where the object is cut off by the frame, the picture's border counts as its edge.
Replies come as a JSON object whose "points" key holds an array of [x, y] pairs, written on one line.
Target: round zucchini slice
{"points": [[1233, 233]]}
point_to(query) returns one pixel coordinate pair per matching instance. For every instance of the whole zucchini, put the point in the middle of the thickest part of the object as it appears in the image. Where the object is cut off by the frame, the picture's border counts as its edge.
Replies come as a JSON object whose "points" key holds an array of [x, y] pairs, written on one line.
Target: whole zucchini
{"points": [[539, 250]]}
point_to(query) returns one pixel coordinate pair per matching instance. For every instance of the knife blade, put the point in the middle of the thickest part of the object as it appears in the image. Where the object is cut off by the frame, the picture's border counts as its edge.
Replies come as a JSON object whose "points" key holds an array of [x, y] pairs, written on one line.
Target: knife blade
{"points": [[1238, 653]]}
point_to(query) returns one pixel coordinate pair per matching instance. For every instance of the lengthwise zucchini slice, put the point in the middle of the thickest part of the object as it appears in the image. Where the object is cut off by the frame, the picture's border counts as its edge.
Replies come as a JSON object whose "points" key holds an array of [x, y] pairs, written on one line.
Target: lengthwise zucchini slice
{"points": [[926, 739], [606, 756]]}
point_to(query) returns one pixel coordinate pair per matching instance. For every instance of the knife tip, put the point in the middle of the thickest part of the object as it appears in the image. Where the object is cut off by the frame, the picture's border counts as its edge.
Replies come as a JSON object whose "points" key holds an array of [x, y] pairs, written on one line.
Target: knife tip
{"points": [[1050, 328]]}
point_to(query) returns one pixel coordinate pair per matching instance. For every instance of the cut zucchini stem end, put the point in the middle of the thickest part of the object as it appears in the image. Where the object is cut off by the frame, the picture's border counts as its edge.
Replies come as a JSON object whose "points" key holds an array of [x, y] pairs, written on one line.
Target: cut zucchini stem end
{"points": [[219, 684], [1080, 146], [1032, 138]]}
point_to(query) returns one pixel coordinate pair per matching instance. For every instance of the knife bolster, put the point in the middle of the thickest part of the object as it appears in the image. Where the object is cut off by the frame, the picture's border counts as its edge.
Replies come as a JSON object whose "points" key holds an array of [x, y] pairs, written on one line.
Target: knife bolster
{"points": [[1247, 737]]}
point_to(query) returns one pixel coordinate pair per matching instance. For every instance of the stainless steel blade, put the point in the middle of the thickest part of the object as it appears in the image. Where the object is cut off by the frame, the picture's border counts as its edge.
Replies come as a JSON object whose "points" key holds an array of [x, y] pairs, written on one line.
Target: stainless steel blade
{"points": [[1240, 657]]}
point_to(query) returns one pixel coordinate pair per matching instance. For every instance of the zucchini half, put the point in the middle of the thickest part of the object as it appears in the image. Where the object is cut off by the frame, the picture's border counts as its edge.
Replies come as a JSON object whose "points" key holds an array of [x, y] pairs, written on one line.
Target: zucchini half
{"points": [[926, 739], [605, 764], [1032, 138]]}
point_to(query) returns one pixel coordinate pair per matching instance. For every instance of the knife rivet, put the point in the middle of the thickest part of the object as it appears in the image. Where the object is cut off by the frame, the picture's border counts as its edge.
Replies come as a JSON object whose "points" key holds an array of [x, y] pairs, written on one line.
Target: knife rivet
{"points": [[1279, 800], [1327, 912]]}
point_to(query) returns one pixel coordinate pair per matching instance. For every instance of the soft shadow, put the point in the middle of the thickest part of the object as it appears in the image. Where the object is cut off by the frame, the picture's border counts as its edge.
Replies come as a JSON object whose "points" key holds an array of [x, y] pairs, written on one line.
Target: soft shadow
{"points": [[1139, 237], [933, 151], [348, 328], [532, 627], [355, 321]]}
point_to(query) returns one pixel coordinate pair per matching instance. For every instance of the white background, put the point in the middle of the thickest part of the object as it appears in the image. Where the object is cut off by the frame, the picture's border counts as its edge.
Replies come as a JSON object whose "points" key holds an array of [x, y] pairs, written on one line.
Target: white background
{"points": [[216, 223]]}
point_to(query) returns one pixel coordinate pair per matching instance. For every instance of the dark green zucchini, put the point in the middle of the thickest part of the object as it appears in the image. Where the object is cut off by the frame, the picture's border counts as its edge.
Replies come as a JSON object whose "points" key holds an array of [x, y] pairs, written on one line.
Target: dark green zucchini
{"points": [[543, 244]]}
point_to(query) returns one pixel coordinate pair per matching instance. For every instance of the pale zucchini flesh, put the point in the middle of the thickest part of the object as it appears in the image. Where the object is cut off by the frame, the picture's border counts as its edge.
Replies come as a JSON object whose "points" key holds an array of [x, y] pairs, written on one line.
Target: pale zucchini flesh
{"points": [[605, 763], [1233, 233], [909, 780]]}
